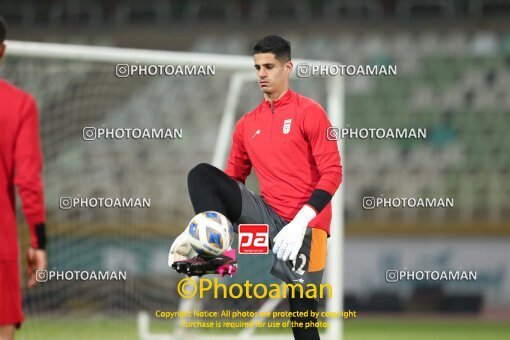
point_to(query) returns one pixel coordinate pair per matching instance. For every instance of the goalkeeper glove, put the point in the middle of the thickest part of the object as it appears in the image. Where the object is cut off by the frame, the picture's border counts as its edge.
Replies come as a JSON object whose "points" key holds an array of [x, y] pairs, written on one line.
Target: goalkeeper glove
{"points": [[289, 240], [180, 249]]}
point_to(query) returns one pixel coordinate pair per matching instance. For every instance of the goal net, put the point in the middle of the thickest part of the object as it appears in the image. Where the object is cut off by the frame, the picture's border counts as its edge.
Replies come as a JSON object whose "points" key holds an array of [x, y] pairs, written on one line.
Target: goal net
{"points": [[82, 87]]}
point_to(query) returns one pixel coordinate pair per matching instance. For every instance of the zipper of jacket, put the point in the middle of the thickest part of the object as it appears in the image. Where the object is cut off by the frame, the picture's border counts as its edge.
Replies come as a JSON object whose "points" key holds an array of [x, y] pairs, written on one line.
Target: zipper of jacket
{"points": [[272, 116]]}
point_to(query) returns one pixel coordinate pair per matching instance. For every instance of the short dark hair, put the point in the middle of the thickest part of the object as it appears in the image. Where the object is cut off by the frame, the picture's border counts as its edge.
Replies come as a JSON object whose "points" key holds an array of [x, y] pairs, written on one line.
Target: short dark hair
{"points": [[274, 44], [3, 29]]}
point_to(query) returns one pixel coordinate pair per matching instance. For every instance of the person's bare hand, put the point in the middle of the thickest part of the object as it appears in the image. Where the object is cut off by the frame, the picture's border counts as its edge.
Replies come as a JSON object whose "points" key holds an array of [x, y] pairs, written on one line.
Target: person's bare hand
{"points": [[37, 260]]}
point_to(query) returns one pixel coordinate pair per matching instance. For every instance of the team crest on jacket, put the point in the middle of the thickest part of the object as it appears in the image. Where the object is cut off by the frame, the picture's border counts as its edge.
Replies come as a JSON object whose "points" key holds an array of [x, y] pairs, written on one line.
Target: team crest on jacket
{"points": [[286, 126]]}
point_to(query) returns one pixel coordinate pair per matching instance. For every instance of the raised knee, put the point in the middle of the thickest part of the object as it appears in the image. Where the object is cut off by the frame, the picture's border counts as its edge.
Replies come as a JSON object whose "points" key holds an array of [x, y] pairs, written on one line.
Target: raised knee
{"points": [[200, 170]]}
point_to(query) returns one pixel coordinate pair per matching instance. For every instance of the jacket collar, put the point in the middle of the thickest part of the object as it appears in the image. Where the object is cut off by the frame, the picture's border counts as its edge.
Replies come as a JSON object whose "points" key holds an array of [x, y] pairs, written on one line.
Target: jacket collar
{"points": [[283, 100]]}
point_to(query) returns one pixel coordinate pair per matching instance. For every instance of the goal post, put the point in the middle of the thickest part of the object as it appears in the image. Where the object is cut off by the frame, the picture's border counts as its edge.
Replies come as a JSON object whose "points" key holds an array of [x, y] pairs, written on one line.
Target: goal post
{"points": [[241, 73]]}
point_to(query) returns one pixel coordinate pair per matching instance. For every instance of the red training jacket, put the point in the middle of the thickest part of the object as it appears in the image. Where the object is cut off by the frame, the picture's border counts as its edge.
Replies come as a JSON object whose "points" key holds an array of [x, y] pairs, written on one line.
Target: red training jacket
{"points": [[286, 145], [20, 165]]}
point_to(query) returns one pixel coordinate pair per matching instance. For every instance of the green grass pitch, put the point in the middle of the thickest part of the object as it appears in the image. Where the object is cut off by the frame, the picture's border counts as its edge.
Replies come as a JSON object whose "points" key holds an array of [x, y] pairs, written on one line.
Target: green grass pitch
{"points": [[380, 329]]}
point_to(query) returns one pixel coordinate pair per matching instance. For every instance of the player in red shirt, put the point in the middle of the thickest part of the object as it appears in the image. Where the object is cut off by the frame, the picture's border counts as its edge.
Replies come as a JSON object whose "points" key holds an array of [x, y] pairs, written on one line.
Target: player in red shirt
{"points": [[284, 140], [20, 166]]}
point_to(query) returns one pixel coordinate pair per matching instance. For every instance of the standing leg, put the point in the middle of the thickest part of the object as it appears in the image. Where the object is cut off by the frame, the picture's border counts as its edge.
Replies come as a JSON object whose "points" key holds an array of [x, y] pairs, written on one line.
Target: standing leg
{"points": [[298, 304], [7, 332]]}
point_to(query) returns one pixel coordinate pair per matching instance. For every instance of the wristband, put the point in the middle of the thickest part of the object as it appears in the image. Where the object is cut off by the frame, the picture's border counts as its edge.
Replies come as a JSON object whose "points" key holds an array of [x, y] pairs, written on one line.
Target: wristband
{"points": [[40, 233], [319, 199]]}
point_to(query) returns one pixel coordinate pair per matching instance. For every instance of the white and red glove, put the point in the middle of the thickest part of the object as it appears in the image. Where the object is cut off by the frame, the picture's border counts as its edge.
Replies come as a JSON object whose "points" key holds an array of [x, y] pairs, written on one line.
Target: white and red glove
{"points": [[289, 240]]}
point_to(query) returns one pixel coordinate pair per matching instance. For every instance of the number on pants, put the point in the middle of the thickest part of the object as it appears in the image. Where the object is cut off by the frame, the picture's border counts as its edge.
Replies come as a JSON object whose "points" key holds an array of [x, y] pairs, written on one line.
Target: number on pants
{"points": [[300, 270]]}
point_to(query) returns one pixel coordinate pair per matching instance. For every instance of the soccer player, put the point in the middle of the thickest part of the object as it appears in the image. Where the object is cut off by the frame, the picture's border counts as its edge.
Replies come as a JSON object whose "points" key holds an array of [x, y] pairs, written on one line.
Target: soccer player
{"points": [[20, 166], [284, 140]]}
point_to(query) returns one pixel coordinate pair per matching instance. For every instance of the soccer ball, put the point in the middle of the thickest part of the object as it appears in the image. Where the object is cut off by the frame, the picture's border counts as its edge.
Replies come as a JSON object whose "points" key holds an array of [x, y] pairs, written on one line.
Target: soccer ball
{"points": [[210, 233]]}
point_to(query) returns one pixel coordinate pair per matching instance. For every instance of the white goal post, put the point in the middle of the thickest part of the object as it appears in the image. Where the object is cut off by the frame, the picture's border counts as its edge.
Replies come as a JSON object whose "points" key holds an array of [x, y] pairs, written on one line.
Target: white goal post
{"points": [[242, 72]]}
